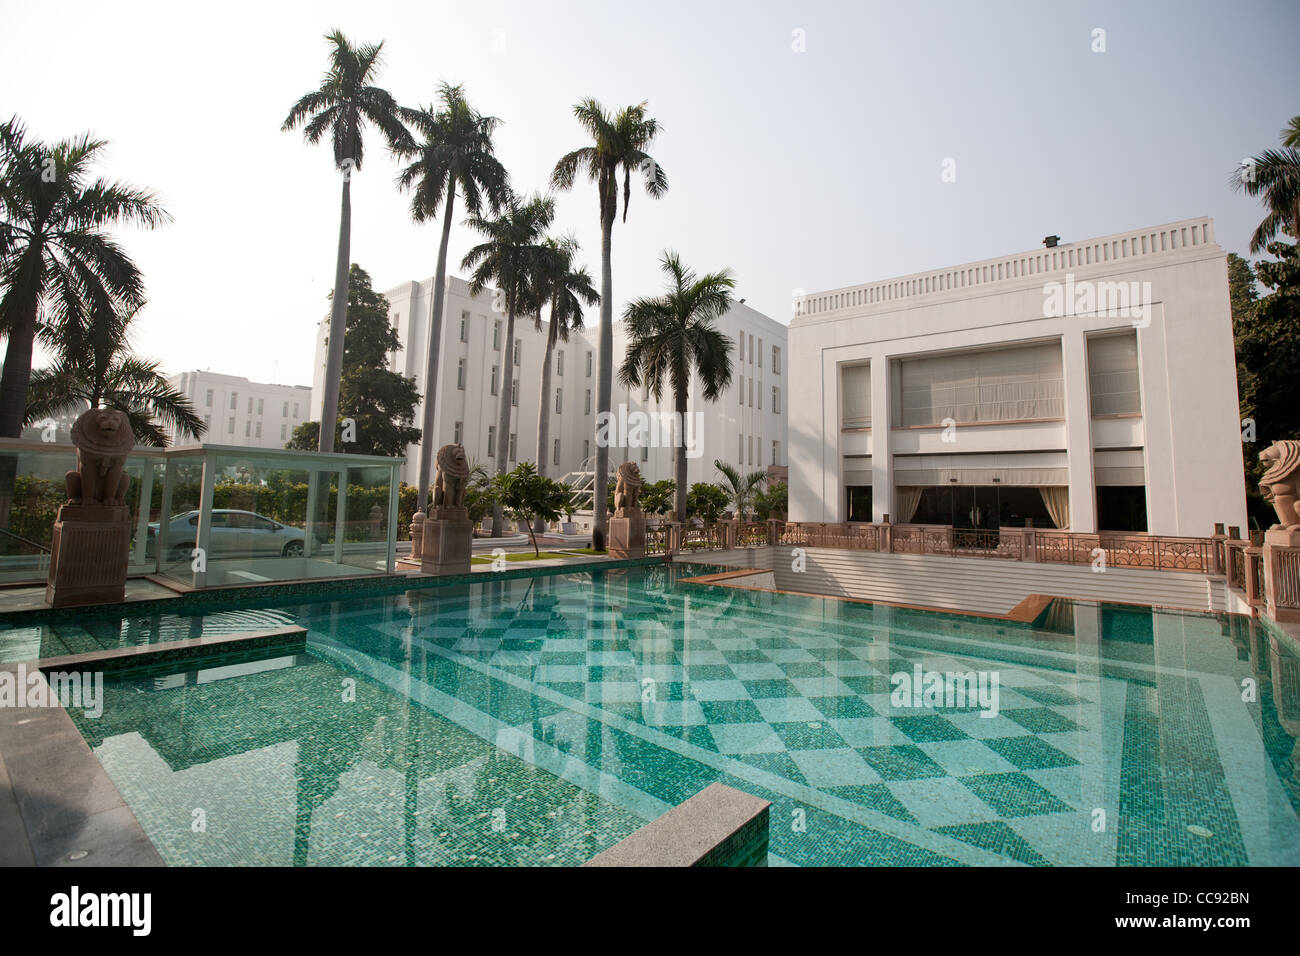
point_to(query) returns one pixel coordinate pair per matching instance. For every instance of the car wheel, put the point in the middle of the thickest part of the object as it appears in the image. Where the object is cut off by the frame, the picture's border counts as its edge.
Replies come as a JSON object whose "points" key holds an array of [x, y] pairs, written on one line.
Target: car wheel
{"points": [[292, 550], [181, 552]]}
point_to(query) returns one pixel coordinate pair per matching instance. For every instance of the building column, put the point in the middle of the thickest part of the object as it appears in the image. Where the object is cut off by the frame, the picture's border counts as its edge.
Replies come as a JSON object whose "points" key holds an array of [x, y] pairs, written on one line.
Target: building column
{"points": [[1078, 433], [882, 454]]}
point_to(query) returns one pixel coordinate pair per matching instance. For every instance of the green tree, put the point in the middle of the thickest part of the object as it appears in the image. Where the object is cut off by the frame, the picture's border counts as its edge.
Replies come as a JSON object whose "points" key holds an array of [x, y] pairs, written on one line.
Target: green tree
{"points": [[772, 502], [671, 337], [380, 402], [619, 143], [706, 501], [93, 366], [509, 257], [657, 497], [527, 496], [55, 251], [741, 488], [1274, 178], [565, 288], [455, 152], [345, 101]]}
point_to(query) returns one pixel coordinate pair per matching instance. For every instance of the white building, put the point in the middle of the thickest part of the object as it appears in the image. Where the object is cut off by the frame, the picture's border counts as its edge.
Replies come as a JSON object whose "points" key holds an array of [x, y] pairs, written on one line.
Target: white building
{"points": [[740, 424], [241, 412], [1088, 385]]}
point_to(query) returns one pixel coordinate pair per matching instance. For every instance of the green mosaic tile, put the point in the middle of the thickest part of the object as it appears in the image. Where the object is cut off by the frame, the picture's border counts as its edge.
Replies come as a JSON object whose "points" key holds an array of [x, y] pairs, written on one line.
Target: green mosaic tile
{"points": [[1029, 753], [901, 762], [996, 838], [1014, 794], [928, 728], [1041, 720]]}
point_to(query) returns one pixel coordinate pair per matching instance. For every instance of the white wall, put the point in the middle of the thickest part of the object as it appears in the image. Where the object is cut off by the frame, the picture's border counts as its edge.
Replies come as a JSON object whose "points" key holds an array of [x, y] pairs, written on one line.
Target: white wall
{"points": [[1189, 428]]}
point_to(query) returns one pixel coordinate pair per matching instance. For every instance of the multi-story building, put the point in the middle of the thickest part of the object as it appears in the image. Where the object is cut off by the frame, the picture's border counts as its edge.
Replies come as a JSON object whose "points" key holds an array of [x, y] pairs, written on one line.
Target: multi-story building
{"points": [[1088, 385], [473, 349], [241, 412]]}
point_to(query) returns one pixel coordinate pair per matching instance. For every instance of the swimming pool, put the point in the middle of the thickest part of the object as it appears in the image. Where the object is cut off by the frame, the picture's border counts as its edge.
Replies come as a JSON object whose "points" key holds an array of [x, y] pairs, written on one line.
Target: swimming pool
{"points": [[540, 720]]}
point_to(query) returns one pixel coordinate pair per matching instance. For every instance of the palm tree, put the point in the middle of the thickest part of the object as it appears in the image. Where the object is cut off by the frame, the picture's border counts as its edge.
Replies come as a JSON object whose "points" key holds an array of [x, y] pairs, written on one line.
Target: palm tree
{"points": [[455, 151], [620, 142], [342, 105], [94, 367], [1274, 176], [566, 289], [55, 253], [672, 336], [510, 257], [742, 488]]}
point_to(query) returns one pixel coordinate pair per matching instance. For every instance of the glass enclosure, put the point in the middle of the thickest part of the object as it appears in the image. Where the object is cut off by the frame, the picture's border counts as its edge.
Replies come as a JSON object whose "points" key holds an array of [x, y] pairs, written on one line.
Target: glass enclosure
{"points": [[232, 515]]}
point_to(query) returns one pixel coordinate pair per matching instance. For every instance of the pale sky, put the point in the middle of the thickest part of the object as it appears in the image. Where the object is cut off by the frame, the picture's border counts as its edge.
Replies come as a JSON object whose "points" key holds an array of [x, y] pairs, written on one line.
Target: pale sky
{"points": [[798, 170]]}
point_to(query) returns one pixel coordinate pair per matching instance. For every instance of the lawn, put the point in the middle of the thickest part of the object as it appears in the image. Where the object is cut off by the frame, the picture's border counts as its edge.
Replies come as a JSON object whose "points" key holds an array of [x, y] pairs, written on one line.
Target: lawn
{"points": [[523, 556]]}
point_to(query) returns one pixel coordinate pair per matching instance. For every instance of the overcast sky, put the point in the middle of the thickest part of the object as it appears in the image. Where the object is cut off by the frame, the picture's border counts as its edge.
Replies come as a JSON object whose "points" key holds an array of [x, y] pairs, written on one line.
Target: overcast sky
{"points": [[810, 170]]}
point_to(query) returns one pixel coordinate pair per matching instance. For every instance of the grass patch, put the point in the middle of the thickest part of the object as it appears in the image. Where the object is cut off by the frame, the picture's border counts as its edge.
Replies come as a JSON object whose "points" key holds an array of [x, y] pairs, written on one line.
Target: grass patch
{"points": [[522, 556], [587, 551]]}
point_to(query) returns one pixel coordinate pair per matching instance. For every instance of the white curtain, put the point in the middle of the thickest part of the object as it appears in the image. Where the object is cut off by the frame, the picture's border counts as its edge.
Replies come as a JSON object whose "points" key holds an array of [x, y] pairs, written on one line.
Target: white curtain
{"points": [[855, 382], [1057, 501], [905, 500], [1113, 374], [991, 386]]}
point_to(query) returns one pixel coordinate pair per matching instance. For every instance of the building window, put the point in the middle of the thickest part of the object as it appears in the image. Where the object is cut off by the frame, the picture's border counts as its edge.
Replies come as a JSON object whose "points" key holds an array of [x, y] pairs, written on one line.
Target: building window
{"points": [[1010, 384], [776, 450], [751, 393], [586, 403], [495, 389], [776, 400], [460, 373], [258, 430], [1113, 376], [514, 393], [740, 450], [295, 410], [586, 448], [588, 365], [751, 350], [464, 326], [492, 441], [559, 363], [496, 336], [250, 404], [234, 401], [776, 360], [741, 391], [741, 337], [760, 392], [285, 413], [555, 459], [284, 429], [645, 452], [760, 353], [558, 402], [456, 433], [248, 428], [261, 405], [855, 396], [230, 425], [749, 443], [512, 446], [519, 350], [209, 402]]}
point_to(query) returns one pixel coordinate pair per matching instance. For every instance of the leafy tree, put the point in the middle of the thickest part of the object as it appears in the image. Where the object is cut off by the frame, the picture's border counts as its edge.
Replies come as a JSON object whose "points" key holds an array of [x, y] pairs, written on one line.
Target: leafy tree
{"points": [[379, 401], [527, 496], [772, 502], [671, 337], [1274, 177], [94, 368], [455, 152], [619, 143], [741, 488], [509, 257], [340, 107], [706, 501], [56, 256], [657, 497]]}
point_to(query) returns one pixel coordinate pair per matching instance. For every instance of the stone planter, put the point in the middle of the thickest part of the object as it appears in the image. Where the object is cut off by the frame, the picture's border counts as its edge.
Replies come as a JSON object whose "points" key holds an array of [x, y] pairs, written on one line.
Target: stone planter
{"points": [[568, 527]]}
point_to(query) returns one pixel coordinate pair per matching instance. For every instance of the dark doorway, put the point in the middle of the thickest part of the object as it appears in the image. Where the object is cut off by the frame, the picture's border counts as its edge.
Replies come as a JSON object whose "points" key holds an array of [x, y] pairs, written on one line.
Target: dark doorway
{"points": [[1122, 508], [983, 506], [858, 500]]}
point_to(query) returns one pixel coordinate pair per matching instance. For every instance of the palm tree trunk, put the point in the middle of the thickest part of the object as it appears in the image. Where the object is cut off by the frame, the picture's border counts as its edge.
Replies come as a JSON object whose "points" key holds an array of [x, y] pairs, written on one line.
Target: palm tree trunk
{"points": [[503, 413], [338, 322], [17, 372], [544, 406], [679, 453], [428, 435], [604, 381]]}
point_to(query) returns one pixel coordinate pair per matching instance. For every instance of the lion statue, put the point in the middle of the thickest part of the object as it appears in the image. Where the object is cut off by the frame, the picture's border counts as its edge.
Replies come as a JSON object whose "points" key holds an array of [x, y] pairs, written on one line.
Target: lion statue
{"points": [[627, 491], [1280, 484], [449, 481], [103, 438]]}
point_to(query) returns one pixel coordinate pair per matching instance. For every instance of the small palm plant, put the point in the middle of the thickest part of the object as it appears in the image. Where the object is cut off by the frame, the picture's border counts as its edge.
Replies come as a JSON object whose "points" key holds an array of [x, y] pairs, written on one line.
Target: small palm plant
{"points": [[740, 488], [527, 496], [94, 366], [671, 337], [340, 107]]}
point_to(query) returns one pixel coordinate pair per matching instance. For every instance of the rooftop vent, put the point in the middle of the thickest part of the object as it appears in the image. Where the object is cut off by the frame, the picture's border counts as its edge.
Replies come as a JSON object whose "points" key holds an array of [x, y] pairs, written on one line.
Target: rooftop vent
{"points": [[1051, 241]]}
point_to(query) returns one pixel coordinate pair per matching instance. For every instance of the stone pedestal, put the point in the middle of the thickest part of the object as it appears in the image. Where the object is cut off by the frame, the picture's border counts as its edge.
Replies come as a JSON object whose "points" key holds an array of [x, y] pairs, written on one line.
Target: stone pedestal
{"points": [[88, 555], [448, 542], [1282, 538], [627, 536]]}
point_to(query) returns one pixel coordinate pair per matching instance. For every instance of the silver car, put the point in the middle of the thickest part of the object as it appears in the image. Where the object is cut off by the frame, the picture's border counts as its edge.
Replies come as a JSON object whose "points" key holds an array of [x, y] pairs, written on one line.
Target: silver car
{"points": [[232, 532]]}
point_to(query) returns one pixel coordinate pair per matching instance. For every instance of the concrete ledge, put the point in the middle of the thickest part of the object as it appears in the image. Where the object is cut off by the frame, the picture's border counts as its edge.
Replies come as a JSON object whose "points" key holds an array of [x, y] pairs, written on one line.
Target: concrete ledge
{"points": [[277, 639], [719, 826]]}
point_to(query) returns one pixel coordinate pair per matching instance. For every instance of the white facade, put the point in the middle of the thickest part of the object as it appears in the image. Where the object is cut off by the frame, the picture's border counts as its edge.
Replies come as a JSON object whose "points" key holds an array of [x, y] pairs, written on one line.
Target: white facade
{"points": [[471, 353], [1041, 383], [241, 412]]}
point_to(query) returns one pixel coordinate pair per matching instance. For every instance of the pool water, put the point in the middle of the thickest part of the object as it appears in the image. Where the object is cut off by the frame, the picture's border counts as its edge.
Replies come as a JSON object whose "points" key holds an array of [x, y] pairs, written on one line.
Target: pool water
{"points": [[540, 720]]}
